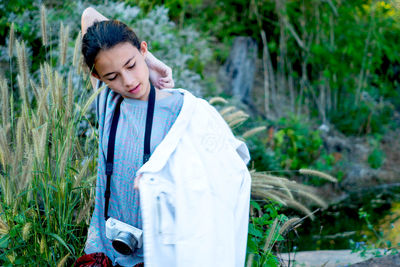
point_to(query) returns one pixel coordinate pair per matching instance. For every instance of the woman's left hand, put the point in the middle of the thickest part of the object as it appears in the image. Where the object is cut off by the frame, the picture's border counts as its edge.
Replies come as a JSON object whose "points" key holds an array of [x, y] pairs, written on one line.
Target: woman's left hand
{"points": [[160, 74], [136, 182]]}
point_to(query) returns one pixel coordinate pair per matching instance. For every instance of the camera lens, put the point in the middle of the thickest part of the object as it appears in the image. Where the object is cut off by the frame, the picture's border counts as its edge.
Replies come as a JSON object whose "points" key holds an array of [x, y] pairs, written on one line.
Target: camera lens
{"points": [[125, 243]]}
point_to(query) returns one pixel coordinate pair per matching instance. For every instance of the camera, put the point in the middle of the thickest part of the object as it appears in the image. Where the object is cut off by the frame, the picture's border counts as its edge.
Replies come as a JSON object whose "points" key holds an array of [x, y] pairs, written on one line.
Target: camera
{"points": [[125, 238]]}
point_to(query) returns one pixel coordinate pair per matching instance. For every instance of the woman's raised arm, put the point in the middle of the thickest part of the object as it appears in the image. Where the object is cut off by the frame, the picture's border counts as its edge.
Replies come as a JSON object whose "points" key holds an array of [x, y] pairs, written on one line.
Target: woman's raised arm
{"points": [[89, 16]]}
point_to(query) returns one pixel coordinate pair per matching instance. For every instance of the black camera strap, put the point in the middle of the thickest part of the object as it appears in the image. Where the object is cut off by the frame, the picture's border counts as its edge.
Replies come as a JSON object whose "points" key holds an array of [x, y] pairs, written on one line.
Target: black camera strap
{"points": [[111, 142]]}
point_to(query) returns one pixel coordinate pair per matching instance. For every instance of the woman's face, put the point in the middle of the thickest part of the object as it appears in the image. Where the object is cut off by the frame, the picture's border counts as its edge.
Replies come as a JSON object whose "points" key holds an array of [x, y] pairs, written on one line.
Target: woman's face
{"points": [[124, 70]]}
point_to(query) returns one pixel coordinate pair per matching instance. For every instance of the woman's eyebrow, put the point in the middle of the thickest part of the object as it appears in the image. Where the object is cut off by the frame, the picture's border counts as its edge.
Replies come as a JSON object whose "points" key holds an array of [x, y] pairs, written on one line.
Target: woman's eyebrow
{"points": [[126, 63]]}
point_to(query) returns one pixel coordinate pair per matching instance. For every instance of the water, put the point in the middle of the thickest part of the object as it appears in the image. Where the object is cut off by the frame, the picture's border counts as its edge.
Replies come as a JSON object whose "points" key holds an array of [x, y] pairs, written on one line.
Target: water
{"points": [[333, 228]]}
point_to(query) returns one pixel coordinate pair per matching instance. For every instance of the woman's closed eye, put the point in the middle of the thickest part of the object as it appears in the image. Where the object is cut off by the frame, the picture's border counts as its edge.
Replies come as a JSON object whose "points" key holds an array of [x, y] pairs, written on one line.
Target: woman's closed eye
{"points": [[129, 67], [113, 78]]}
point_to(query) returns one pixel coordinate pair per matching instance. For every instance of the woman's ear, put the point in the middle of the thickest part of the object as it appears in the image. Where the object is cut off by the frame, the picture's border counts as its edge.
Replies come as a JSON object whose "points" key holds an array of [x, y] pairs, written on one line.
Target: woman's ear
{"points": [[143, 49]]}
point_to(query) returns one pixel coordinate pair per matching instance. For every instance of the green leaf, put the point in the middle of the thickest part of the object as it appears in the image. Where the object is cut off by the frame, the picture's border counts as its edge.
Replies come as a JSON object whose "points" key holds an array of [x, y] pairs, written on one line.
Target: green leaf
{"points": [[62, 242], [255, 205], [4, 241], [253, 231]]}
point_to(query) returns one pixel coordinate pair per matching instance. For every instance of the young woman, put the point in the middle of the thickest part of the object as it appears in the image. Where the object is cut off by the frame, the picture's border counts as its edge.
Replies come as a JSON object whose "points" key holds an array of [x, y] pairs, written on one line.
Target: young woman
{"points": [[192, 198]]}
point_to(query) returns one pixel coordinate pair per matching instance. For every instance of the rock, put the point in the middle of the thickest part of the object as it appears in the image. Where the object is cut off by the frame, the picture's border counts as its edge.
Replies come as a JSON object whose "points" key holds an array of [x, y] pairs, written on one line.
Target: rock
{"points": [[326, 258], [237, 74], [386, 261]]}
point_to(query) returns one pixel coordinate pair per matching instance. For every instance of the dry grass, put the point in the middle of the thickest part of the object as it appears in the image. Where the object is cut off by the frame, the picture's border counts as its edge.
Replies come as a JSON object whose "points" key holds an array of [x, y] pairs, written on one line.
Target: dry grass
{"points": [[45, 167], [269, 187]]}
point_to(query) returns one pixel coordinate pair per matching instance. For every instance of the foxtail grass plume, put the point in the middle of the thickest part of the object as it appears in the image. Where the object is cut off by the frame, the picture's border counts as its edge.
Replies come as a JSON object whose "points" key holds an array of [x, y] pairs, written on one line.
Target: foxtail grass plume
{"points": [[250, 260], [43, 25], [217, 100], [43, 245], [43, 110], [59, 91], [26, 231], [297, 205], [84, 212], [4, 229], [82, 173], [19, 141], [77, 52], [50, 82], [35, 89], [236, 122], [5, 154], [11, 41], [314, 198], [11, 257], [5, 108], [283, 191], [42, 82], [22, 63], [22, 90], [288, 225], [27, 171], [6, 186], [254, 131], [63, 43], [227, 110], [63, 261], [40, 137], [272, 196], [318, 174], [236, 115], [272, 235]]}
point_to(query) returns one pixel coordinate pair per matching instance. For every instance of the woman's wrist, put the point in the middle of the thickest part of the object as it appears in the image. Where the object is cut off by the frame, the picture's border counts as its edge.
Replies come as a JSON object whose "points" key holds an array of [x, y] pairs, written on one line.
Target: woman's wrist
{"points": [[89, 16]]}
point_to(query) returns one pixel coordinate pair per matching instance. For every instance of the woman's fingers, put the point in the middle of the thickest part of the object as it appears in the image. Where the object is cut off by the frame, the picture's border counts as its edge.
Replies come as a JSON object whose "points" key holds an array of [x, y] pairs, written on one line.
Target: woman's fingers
{"points": [[166, 83], [136, 182]]}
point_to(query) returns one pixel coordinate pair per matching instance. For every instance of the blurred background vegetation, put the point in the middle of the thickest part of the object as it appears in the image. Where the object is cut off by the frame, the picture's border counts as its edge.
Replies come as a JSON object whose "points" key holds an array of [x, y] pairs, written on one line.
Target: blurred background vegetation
{"points": [[325, 69]]}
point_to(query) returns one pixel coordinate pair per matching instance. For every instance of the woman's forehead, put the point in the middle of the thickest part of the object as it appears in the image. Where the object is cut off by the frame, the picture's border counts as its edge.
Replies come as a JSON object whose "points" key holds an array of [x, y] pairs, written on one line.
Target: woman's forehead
{"points": [[115, 57]]}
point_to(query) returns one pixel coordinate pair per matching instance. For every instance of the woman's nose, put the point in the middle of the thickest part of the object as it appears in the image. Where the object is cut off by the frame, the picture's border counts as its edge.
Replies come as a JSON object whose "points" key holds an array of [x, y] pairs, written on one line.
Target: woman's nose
{"points": [[129, 80]]}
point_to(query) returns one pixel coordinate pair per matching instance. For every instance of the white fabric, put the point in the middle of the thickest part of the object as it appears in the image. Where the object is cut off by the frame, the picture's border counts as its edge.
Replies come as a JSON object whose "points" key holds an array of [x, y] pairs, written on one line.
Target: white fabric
{"points": [[195, 192]]}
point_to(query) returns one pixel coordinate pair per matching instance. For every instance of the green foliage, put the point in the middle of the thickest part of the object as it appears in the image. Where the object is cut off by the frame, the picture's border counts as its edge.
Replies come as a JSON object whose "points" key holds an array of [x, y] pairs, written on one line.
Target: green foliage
{"points": [[376, 156], [367, 248], [375, 159], [296, 145], [10, 8], [367, 118], [291, 144], [334, 52], [262, 156], [47, 163], [263, 234], [178, 9]]}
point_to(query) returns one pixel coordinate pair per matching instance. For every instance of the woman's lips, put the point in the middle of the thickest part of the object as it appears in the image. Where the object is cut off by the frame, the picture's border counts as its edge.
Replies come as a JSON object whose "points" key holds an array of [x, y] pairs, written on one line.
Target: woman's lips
{"points": [[135, 90]]}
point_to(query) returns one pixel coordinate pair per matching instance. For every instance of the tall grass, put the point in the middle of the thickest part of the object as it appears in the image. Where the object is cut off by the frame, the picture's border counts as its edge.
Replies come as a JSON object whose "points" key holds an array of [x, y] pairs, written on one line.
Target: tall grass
{"points": [[48, 158], [47, 162]]}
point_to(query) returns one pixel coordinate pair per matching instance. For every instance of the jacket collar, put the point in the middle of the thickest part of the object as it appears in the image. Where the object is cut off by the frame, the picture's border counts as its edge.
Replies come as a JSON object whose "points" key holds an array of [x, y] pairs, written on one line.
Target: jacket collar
{"points": [[163, 151]]}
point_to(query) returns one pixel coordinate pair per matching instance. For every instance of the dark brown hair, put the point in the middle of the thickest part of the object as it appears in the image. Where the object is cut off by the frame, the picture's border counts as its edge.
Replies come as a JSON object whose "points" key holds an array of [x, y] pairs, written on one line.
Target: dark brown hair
{"points": [[104, 35]]}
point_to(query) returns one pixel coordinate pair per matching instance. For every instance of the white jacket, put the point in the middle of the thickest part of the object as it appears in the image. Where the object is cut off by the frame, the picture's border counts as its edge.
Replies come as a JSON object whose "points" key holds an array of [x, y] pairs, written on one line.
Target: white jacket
{"points": [[195, 192]]}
